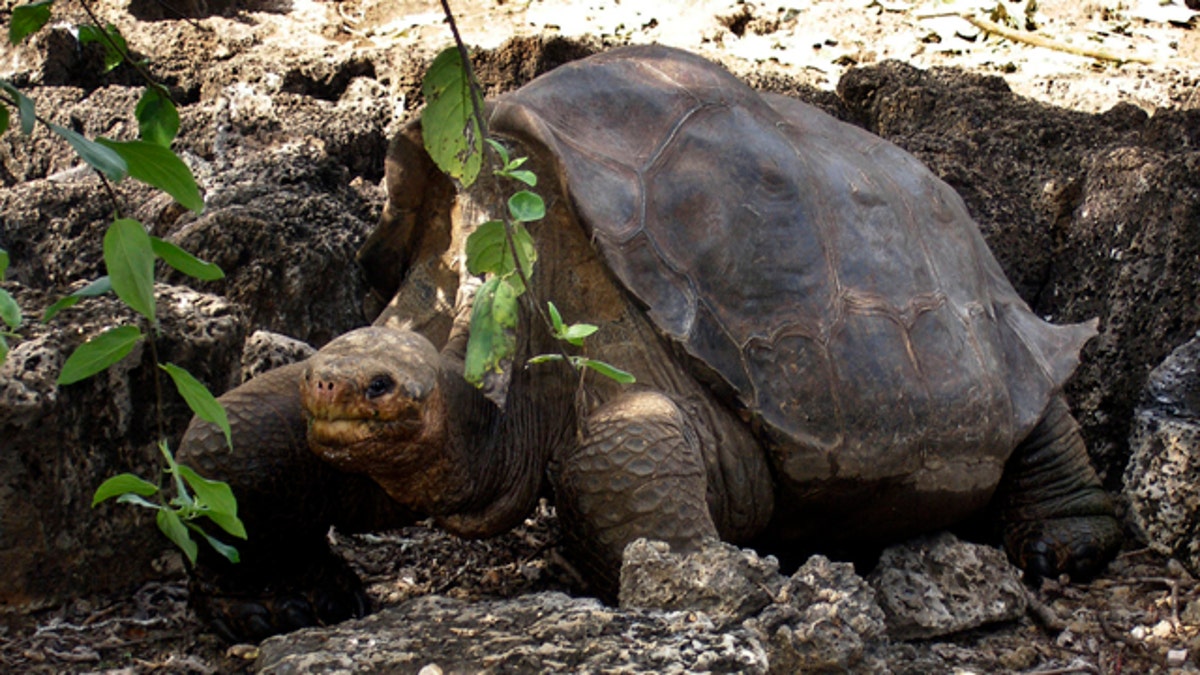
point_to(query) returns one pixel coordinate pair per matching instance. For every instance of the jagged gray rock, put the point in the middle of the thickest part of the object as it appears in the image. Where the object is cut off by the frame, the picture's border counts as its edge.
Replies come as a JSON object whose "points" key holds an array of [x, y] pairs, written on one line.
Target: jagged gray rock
{"points": [[545, 632], [1162, 481], [721, 580], [824, 620], [938, 585], [61, 442], [265, 351]]}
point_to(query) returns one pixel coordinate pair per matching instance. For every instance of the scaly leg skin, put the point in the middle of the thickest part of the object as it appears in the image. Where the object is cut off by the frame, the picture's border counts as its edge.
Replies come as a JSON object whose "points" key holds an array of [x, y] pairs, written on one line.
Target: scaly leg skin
{"points": [[287, 498], [1056, 516], [637, 472]]}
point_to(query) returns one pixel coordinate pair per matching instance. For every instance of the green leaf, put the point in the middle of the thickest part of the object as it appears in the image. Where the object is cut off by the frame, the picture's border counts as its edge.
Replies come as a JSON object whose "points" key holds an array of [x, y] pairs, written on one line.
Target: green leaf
{"points": [[99, 353], [544, 358], [199, 399], [10, 311], [488, 251], [215, 499], [526, 206], [228, 552], [158, 120], [27, 20], [3, 350], [182, 497], [448, 125], [527, 177], [493, 330], [122, 484], [500, 150], [104, 160], [3, 263], [138, 500], [185, 262], [98, 287], [576, 332], [24, 107], [3, 118], [556, 319], [155, 165], [129, 257], [113, 55], [609, 371], [176, 531]]}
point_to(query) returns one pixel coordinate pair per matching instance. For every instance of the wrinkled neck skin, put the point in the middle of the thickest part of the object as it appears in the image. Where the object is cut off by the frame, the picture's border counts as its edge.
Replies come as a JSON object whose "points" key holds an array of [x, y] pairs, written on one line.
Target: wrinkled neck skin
{"points": [[469, 467]]}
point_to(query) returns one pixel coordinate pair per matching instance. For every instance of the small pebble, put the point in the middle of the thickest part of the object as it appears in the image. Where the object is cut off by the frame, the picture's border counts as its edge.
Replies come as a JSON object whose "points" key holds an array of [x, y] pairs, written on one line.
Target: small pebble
{"points": [[243, 651], [1176, 657]]}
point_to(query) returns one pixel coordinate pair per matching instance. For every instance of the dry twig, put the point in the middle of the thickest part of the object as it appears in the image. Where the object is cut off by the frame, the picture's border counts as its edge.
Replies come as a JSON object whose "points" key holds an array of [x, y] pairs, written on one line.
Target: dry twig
{"points": [[1036, 40]]}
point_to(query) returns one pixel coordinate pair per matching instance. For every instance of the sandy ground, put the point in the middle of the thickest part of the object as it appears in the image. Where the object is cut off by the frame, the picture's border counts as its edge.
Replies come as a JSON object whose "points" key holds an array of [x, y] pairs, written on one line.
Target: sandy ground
{"points": [[819, 39]]}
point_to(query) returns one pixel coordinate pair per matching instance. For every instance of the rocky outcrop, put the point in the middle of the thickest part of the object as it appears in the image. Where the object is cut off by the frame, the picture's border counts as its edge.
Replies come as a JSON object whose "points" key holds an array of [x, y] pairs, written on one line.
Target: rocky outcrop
{"points": [[719, 609], [537, 633], [1162, 482], [938, 585], [288, 200], [61, 442]]}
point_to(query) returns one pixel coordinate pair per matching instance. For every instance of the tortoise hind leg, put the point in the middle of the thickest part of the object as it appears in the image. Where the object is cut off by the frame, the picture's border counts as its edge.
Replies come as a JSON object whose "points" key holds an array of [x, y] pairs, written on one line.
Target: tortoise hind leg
{"points": [[1055, 514], [637, 472]]}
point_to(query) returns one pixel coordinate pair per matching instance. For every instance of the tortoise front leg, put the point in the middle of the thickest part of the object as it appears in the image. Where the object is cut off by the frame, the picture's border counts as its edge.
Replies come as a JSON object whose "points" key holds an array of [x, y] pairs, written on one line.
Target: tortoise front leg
{"points": [[1056, 516], [637, 472], [288, 498]]}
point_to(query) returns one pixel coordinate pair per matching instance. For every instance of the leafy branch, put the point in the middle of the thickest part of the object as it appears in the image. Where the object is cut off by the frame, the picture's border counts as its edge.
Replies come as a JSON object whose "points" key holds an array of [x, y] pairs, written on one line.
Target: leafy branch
{"points": [[129, 257], [455, 133]]}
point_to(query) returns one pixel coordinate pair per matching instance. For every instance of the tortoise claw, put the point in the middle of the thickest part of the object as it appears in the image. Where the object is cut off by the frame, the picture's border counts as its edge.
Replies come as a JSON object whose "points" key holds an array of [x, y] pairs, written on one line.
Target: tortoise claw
{"points": [[1077, 546], [322, 592]]}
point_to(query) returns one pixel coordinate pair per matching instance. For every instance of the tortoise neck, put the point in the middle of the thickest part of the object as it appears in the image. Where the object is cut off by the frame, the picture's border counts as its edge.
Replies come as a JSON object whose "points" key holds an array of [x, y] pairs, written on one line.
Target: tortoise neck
{"points": [[474, 471], [507, 464]]}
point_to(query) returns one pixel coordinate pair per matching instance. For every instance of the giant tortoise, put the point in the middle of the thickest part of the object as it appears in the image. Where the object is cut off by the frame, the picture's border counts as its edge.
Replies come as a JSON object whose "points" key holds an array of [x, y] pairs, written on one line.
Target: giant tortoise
{"points": [[826, 352]]}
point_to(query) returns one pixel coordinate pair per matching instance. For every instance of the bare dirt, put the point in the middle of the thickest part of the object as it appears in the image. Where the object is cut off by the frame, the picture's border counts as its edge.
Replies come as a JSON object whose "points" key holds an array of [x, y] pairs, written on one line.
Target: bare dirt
{"points": [[1143, 615]]}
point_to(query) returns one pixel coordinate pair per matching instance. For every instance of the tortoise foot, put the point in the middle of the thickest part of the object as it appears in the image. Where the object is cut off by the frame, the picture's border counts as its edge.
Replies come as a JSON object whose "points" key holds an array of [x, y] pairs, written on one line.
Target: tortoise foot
{"points": [[1078, 546], [239, 609]]}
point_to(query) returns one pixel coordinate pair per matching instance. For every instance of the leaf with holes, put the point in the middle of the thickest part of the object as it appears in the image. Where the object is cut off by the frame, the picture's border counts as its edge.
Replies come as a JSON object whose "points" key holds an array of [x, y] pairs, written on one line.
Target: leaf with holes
{"points": [[449, 127], [10, 311], [493, 330]]}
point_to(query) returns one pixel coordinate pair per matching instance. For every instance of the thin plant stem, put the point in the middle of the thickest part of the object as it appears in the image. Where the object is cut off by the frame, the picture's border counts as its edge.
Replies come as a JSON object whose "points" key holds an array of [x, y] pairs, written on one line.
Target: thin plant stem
{"points": [[477, 112]]}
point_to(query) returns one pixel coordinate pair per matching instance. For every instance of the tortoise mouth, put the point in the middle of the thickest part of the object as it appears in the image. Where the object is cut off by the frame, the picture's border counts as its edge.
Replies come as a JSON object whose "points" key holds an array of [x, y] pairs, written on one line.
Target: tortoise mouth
{"points": [[360, 444]]}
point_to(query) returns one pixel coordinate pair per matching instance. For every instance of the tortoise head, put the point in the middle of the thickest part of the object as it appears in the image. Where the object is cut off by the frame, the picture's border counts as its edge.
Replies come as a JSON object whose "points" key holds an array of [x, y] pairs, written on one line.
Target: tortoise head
{"points": [[367, 397]]}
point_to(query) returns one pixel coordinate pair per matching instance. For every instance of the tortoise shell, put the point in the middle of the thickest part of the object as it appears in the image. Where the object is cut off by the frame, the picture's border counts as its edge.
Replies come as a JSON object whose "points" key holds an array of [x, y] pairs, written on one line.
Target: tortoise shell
{"points": [[820, 276]]}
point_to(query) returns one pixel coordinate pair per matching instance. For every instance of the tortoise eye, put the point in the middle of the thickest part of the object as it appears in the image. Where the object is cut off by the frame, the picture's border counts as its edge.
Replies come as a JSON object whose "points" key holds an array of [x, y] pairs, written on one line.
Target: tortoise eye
{"points": [[380, 385]]}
